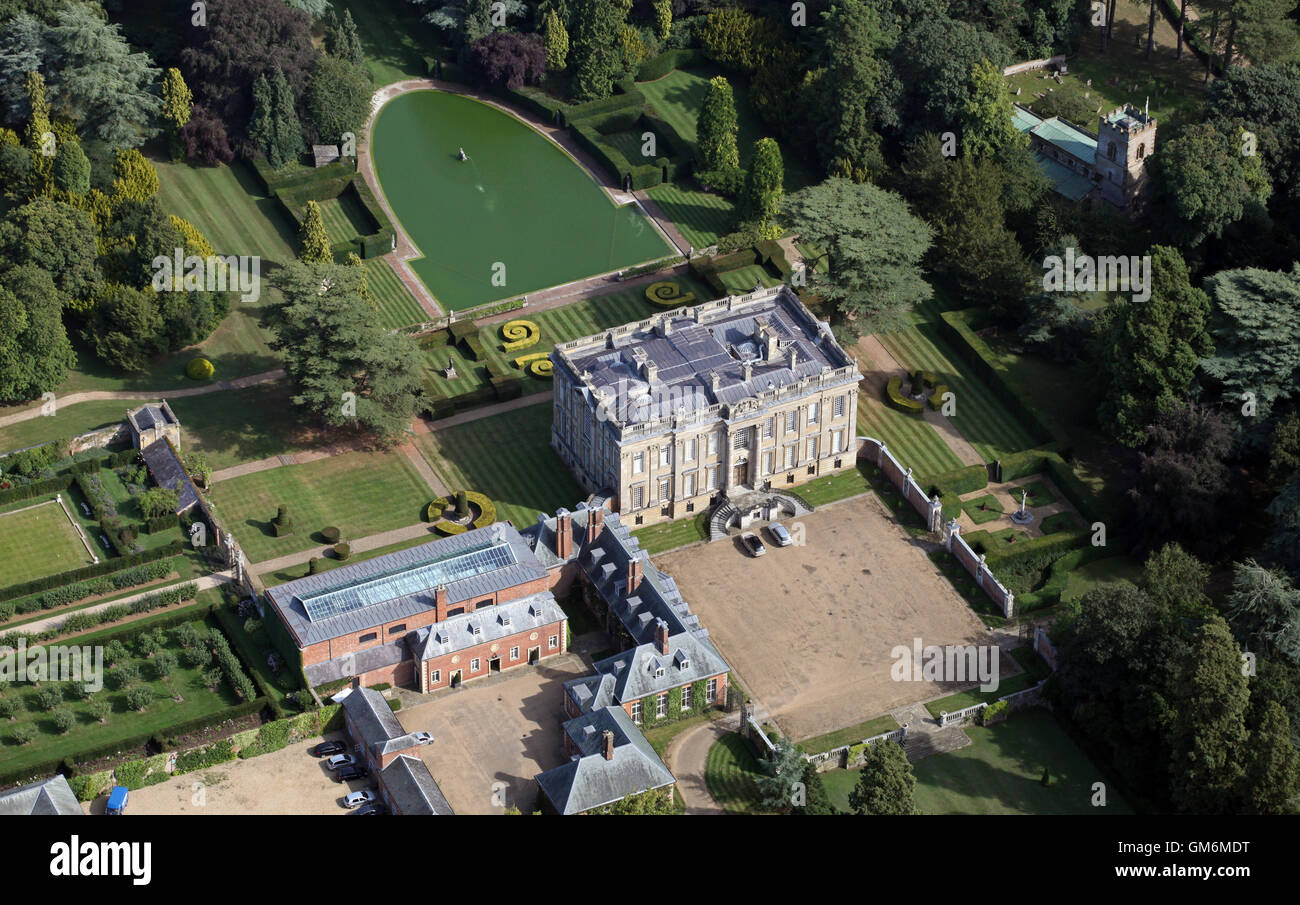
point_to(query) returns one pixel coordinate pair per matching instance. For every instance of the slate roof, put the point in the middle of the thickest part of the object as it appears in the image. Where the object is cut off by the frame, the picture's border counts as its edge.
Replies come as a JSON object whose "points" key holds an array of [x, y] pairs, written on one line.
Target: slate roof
{"points": [[45, 798], [167, 470], [588, 780], [374, 721], [393, 588], [1066, 181], [412, 789], [494, 623], [689, 659], [147, 416], [689, 347], [363, 661]]}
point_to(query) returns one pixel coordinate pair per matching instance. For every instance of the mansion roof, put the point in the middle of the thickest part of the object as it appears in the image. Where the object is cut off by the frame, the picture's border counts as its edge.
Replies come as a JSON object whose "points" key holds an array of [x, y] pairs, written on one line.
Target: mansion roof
{"points": [[589, 780]]}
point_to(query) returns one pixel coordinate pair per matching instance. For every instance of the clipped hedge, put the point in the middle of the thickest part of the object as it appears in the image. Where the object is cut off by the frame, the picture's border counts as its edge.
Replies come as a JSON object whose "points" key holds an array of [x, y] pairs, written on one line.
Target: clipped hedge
{"points": [[1049, 593], [1050, 462], [103, 567], [519, 335], [668, 294], [951, 485], [631, 100], [936, 398], [666, 62], [895, 397]]}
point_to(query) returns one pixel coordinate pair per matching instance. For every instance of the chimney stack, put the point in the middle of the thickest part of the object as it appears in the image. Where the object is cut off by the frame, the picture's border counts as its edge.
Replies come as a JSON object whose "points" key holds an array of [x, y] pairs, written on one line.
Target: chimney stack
{"points": [[440, 603], [564, 535], [595, 521], [661, 636], [748, 368], [794, 356], [607, 744], [633, 574]]}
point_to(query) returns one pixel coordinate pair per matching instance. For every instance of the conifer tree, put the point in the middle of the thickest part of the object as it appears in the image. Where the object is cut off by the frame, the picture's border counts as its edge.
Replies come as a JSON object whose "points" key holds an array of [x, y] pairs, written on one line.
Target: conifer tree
{"points": [[718, 127], [315, 245]]}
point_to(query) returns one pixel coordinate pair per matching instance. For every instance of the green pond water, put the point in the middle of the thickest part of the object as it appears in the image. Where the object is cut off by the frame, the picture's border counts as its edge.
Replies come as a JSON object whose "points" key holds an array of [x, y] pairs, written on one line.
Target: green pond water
{"points": [[519, 209]]}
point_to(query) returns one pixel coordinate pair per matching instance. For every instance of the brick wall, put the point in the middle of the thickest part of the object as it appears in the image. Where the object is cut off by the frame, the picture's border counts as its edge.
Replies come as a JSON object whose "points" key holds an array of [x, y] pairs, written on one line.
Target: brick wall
{"points": [[462, 660]]}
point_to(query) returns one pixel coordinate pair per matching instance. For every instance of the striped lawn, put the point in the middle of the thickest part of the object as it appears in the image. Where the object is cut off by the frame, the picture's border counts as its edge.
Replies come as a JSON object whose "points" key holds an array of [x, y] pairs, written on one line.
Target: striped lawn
{"points": [[577, 319], [342, 223], [742, 280], [915, 443], [981, 418], [700, 217], [397, 307], [509, 458], [225, 204]]}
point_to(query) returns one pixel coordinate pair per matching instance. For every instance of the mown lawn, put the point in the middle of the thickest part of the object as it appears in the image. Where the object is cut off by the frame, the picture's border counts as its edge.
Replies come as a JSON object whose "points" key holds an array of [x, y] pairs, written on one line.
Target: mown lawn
{"points": [[186, 683], [396, 306], [1102, 571], [236, 426], [701, 217], [671, 535], [509, 458], [280, 576], [729, 773], [361, 493], [36, 538], [850, 735], [913, 441], [393, 37]]}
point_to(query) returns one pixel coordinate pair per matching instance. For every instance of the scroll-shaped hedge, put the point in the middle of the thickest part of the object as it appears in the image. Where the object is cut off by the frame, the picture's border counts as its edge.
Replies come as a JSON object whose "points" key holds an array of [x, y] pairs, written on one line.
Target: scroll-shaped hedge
{"points": [[538, 364], [895, 397], [519, 335], [936, 398], [667, 294]]}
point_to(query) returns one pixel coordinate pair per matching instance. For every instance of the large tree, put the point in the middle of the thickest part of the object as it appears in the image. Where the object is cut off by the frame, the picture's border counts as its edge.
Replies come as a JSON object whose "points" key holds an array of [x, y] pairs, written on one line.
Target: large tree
{"points": [[718, 127], [242, 40], [507, 59], [123, 327], [22, 50], [986, 125], [850, 146], [1149, 350], [57, 238], [347, 370], [1205, 183], [337, 99], [760, 200], [1266, 101], [34, 350], [1264, 610], [593, 54], [781, 770], [934, 59], [1256, 329], [886, 784], [98, 82], [874, 246]]}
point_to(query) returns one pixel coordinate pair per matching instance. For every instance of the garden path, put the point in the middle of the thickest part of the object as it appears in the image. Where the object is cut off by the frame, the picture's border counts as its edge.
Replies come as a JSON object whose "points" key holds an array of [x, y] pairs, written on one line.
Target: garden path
{"points": [[686, 757]]}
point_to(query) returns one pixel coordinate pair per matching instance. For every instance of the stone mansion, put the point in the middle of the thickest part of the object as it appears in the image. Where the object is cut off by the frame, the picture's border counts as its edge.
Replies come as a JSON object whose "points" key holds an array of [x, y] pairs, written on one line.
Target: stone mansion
{"points": [[743, 393]]}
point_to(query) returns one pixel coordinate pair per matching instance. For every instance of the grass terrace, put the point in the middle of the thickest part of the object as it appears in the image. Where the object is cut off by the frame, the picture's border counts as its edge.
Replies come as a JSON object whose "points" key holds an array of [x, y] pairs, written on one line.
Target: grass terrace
{"points": [[38, 538], [850, 735], [361, 493], [509, 458]]}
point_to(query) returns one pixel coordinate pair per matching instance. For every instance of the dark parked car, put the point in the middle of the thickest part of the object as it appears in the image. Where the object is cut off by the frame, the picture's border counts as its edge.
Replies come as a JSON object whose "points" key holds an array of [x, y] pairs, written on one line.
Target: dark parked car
{"points": [[370, 810], [753, 544], [347, 774], [325, 748]]}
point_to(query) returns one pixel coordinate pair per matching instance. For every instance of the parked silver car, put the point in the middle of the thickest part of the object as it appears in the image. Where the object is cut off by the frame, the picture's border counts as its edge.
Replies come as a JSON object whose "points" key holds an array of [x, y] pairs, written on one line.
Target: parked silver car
{"points": [[779, 534], [338, 761], [357, 799]]}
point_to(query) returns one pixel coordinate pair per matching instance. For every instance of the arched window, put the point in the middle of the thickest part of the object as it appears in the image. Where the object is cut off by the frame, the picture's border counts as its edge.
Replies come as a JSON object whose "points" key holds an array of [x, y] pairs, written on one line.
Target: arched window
{"points": [[1142, 151], [1110, 151]]}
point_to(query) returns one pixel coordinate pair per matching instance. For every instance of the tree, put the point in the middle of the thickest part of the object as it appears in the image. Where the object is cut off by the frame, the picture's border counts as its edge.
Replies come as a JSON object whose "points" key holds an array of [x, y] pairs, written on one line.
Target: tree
{"points": [[556, 40], [1266, 101], [1256, 328], [986, 125], [337, 98], [123, 327], [1205, 183], [22, 50], [849, 144], [1264, 610], [1283, 544], [653, 802], [134, 177], [287, 131], [1272, 777], [874, 247], [1284, 449], [99, 82], [1175, 581], [1183, 489], [342, 40], [934, 60], [1265, 31], [593, 57], [314, 247], [886, 785], [764, 184], [35, 354], [244, 39], [781, 770], [663, 17], [72, 169], [1148, 352], [346, 369], [204, 138], [157, 502], [1209, 741], [56, 237], [261, 125], [507, 59], [718, 127], [177, 106], [817, 799]]}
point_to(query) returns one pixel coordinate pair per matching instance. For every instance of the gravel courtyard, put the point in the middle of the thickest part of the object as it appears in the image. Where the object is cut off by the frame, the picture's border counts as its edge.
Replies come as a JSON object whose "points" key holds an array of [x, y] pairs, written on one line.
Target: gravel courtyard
{"points": [[809, 629]]}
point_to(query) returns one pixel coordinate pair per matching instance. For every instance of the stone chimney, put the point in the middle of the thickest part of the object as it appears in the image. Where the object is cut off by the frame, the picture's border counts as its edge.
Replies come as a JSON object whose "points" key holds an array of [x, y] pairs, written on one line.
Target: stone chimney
{"points": [[564, 535], [794, 356], [595, 522], [607, 744], [440, 603], [650, 371], [661, 636], [748, 367], [715, 382], [633, 574]]}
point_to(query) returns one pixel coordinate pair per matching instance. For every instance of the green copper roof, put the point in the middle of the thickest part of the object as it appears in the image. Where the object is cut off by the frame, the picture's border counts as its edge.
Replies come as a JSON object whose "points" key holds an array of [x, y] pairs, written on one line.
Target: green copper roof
{"points": [[1069, 139], [1066, 182]]}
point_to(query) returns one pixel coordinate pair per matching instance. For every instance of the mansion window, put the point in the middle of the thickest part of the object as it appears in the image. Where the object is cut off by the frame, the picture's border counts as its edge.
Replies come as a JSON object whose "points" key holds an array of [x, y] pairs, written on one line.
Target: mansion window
{"points": [[435, 677], [711, 480], [688, 450], [841, 402], [741, 439], [789, 456], [711, 691], [837, 442], [812, 412], [514, 653], [686, 697], [638, 463], [769, 426], [812, 448], [665, 490], [661, 706], [713, 443], [665, 456], [554, 641], [636, 712], [473, 665], [638, 496], [791, 420], [688, 485], [769, 458]]}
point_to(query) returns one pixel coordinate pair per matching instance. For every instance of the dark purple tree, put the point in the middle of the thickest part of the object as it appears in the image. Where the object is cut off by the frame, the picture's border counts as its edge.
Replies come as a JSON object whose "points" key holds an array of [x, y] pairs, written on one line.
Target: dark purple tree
{"points": [[244, 39], [205, 140], [507, 59]]}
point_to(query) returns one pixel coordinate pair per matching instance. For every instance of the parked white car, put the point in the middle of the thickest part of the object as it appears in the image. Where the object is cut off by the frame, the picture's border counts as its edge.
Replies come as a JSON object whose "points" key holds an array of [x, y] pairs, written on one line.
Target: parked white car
{"points": [[339, 761], [357, 799], [423, 738]]}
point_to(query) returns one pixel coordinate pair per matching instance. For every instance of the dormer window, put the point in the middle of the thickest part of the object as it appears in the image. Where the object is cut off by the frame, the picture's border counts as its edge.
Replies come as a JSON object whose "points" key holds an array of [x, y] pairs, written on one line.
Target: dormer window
{"points": [[659, 673], [476, 629]]}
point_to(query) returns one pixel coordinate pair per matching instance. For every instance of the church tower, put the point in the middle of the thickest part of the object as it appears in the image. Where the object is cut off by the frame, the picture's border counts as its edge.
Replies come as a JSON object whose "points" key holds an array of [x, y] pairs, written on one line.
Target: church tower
{"points": [[1125, 139]]}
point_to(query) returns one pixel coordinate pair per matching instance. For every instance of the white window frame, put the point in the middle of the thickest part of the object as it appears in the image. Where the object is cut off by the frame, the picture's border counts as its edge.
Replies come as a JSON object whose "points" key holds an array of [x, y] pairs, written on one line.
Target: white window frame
{"points": [[840, 407], [514, 653], [711, 691], [769, 428], [688, 485], [638, 463], [636, 712], [665, 456], [791, 456], [811, 448], [688, 450], [686, 697], [435, 678], [813, 411], [711, 478], [791, 420], [553, 642], [473, 665], [661, 706]]}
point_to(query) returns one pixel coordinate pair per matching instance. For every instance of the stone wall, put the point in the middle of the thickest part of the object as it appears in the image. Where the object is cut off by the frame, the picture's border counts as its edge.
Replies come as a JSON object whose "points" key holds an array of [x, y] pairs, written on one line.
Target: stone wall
{"points": [[974, 563], [878, 454], [1055, 62]]}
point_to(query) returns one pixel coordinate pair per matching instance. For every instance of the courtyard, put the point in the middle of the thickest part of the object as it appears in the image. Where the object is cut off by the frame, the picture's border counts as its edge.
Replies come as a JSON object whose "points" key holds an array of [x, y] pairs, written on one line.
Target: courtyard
{"points": [[492, 736], [809, 629]]}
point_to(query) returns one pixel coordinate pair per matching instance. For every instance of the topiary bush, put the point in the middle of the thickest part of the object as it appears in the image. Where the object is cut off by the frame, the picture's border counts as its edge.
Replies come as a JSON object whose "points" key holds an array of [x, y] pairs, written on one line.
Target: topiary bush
{"points": [[668, 294], [200, 369], [282, 524], [342, 551], [330, 534], [519, 335], [897, 399], [433, 512]]}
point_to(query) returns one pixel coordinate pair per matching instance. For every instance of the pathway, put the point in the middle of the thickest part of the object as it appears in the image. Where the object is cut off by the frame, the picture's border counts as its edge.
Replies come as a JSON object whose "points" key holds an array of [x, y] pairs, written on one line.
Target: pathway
{"points": [[887, 366], [406, 250], [361, 545], [205, 582], [686, 757], [238, 383]]}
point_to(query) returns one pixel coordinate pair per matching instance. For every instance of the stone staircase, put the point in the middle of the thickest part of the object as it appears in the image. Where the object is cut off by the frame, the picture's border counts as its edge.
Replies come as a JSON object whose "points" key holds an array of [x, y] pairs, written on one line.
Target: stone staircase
{"points": [[719, 519], [924, 742]]}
